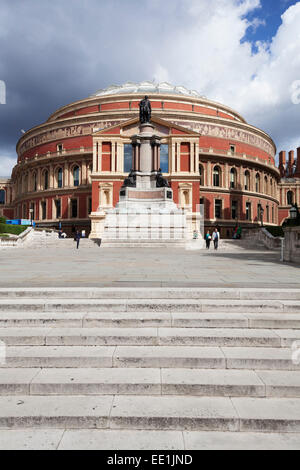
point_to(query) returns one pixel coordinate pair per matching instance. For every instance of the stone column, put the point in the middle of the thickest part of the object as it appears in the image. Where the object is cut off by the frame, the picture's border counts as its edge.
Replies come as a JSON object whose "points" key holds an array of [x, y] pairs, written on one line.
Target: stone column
{"points": [[209, 179], [51, 177], [192, 161], [120, 157], [66, 175], [39, 179], [95, 148], [178, 157], [83, 173], [99, 157], [173, 154], [113, 157]]}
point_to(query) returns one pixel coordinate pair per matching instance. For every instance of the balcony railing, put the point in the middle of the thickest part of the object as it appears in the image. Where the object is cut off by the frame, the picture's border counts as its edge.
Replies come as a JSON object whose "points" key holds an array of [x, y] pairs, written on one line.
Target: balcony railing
{"points": [[60, 153]]}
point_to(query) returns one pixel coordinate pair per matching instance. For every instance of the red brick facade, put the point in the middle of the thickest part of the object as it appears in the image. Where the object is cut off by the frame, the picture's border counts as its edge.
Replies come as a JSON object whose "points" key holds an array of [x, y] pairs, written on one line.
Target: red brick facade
{"points": [[215, 158]]}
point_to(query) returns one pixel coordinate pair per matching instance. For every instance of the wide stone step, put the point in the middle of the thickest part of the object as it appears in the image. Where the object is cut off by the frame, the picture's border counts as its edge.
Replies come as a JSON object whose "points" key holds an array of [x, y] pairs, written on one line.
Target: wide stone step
{"points": [[150, 357], [149, 319], [151, 412], [148, 305], [195, 382], [124, 439], [148, 336], [153, 293]]}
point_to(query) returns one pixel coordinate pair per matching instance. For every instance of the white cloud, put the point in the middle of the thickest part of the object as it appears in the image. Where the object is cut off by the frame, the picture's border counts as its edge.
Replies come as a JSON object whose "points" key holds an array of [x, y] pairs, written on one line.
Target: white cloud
{"points": [[6, 164]]}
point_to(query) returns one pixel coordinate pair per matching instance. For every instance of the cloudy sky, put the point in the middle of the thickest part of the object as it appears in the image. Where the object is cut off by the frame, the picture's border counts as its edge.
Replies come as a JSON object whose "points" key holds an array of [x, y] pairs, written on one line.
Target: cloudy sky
{"points": [[244, 53]]}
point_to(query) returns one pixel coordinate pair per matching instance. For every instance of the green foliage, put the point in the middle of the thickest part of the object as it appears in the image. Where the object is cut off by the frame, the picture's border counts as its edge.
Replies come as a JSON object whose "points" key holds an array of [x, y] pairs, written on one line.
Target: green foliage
{"points": [[14, 229], [3, 220], [276, 231]]}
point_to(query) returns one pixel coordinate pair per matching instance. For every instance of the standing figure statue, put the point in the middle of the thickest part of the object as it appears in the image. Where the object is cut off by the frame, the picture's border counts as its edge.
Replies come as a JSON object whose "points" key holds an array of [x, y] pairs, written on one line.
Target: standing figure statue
{"points": [[145, 110]]}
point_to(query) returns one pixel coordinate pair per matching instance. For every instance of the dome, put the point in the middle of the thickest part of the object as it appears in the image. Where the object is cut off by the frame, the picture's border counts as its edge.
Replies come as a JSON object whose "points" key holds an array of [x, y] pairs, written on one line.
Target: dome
{"points": [[147, 87]]}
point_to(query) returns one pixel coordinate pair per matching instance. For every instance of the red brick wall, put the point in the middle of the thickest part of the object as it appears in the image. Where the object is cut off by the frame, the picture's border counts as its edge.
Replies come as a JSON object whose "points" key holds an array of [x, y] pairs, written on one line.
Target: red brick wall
{"points": [[106, 156], [185, 156], [224, 144], [69, 144]]}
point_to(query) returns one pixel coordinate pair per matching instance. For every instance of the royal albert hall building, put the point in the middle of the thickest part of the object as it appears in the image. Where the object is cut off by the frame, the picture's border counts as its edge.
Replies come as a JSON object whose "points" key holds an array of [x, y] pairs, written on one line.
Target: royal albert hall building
{"points": [[75, 163]]}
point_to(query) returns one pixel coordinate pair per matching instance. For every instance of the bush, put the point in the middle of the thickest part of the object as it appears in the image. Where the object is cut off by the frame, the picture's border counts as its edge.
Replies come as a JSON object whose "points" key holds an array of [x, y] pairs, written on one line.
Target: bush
{"points": [[3, 220], [276, 231], [14, 229]]}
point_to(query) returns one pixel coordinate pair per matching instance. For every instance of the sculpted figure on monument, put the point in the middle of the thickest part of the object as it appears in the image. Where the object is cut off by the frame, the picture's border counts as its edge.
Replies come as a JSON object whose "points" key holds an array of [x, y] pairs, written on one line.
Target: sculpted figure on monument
{"points": [[161, 182], [145, 110], [130, 181]]}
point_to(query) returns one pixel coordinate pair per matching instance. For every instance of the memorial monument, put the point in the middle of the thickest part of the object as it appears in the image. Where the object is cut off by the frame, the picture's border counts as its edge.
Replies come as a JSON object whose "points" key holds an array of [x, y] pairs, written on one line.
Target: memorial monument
{"points": [[146, 210]]}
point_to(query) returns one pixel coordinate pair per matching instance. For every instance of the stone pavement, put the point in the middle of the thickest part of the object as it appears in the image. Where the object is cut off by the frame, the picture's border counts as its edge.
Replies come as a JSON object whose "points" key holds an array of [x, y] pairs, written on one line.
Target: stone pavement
{"points": [[159, 368], [64, 266]]}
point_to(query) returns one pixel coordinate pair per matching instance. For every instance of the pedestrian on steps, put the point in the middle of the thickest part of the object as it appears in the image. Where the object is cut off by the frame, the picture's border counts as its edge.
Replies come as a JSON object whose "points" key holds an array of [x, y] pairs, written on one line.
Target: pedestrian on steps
{"points": [[216, 238], [208, 240], [78, 236]]}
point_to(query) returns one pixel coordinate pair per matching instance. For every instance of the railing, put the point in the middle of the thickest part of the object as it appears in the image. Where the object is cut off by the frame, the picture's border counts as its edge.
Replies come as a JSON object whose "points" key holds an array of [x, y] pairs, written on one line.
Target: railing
{"points": [[244, 156], [57, 153]]}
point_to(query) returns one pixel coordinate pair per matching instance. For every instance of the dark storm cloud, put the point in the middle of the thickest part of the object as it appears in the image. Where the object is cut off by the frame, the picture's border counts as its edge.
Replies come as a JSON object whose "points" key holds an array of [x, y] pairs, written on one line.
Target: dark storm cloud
{"points": [[55, 52]]}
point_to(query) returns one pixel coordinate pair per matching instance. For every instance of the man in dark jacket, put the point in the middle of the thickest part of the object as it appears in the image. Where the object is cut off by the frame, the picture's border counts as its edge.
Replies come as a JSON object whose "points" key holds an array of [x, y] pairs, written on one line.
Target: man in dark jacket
{"points": [[78, 236]]}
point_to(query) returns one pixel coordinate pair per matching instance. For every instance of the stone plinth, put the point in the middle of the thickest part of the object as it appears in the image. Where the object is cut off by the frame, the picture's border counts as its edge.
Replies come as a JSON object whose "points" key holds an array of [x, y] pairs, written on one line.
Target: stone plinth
{"points": [[292, 244]]}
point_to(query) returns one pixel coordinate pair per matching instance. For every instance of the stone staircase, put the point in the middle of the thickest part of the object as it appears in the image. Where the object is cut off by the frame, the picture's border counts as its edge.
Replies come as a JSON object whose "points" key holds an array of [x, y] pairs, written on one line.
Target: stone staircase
{"points": [[163, 368]]}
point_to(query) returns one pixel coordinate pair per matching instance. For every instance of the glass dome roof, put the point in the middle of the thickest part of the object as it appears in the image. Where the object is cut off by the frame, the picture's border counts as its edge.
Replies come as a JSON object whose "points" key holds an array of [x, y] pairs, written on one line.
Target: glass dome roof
{"points": [[147, 87]]}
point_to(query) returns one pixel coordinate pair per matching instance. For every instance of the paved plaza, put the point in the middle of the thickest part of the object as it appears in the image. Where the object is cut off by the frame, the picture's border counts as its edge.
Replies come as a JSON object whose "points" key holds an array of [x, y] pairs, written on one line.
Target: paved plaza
{"points": [[105, 267]]}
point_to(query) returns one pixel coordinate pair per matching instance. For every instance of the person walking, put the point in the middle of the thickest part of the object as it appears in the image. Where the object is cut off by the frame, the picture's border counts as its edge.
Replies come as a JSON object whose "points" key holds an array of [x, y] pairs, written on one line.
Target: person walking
{"points": [[208, 240], [216, 238], [78, 236]]}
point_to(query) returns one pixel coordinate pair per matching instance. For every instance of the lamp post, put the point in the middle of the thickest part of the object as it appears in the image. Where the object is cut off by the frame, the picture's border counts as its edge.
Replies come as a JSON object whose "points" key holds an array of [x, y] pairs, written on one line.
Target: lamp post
{"points": [[294, 212], [31, 215]]}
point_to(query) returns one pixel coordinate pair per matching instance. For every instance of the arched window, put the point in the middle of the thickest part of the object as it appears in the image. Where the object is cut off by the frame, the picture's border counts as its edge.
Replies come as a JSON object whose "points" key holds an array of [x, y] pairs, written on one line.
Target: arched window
{"points": [[59, 178], [201, 173], [247, 181], [233, 178], [76, 175], [46, 179], [271, 187], [2, 196], [217, 176], [290, 198], [257, 183]]}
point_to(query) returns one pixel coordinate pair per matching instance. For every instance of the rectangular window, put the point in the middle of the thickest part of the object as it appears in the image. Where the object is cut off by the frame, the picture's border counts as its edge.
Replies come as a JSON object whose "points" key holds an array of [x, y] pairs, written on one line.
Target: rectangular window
{"points": [[234, 212], [218, 208], [74, 208], [248, 210], [232, 149], [58, 208], [60, 148], [164, 158], [44, 210], [89, 205], [268, 214], [127, 158]]}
